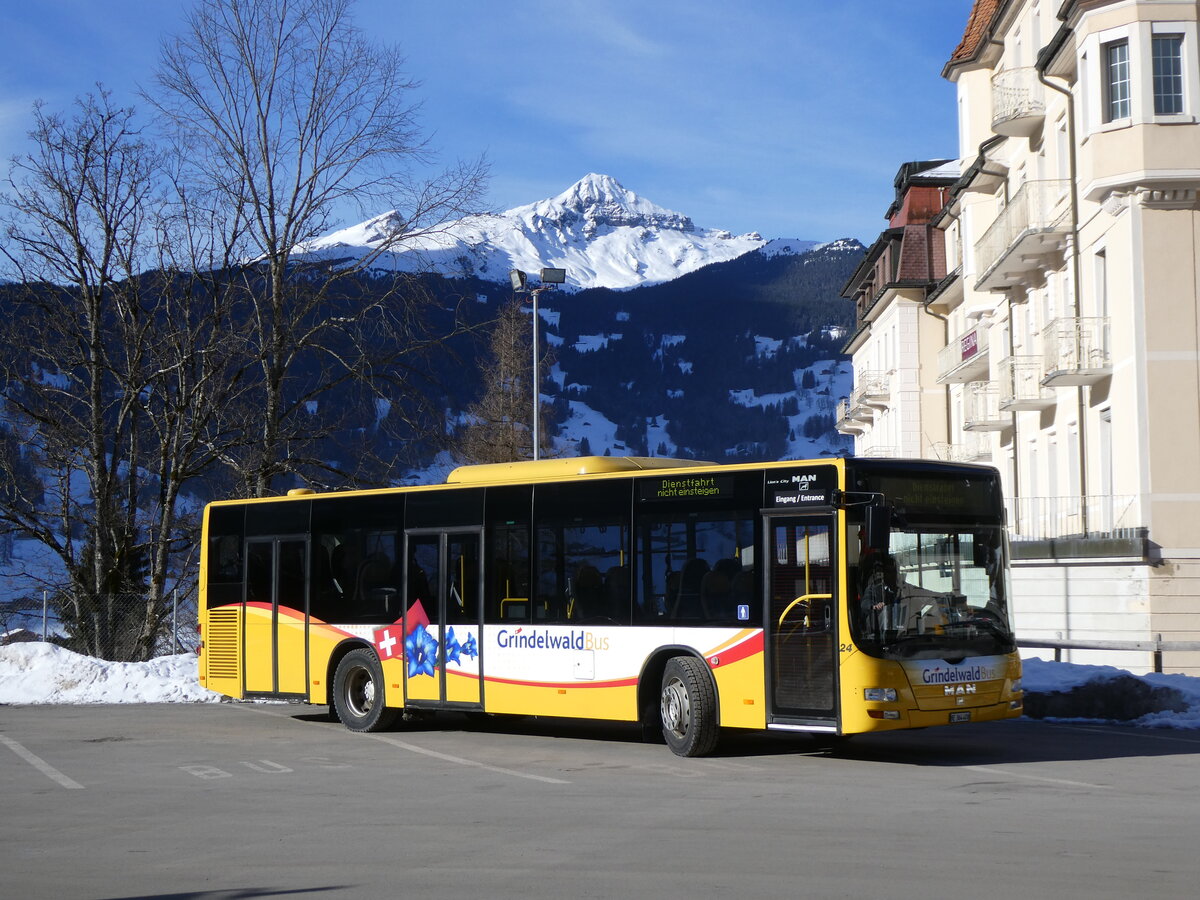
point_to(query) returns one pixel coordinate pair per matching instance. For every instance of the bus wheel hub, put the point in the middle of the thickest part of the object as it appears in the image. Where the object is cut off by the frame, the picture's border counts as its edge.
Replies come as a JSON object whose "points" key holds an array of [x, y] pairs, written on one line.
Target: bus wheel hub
{"points": [[675, 707]]}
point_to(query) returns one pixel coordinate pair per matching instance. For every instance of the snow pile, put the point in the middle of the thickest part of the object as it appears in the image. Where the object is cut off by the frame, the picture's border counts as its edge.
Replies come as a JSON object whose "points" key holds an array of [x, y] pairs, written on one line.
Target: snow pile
{"points": [[46, 673], [1105, 693]]}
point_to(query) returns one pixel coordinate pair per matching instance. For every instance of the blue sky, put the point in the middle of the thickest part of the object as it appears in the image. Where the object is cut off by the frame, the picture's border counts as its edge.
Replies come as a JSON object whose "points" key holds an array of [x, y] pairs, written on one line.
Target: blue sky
{"points": [[786, 117]]}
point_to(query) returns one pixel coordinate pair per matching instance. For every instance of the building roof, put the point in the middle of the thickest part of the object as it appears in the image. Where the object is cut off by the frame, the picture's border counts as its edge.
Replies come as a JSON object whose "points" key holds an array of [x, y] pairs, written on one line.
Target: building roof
{"points": [[982, 14]]}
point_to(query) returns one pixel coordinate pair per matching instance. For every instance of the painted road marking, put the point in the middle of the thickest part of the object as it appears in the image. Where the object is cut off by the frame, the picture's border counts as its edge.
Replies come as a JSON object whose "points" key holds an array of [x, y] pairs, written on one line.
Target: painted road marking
{"points": [[413, 748], [458, 760], [987, 770], [40, 764]]}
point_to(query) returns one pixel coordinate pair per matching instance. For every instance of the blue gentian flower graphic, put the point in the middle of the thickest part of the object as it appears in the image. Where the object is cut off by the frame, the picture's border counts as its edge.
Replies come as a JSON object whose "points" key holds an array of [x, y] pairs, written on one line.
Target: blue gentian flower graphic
{"points": [[469, 647], [420, 648], [452, 647]]}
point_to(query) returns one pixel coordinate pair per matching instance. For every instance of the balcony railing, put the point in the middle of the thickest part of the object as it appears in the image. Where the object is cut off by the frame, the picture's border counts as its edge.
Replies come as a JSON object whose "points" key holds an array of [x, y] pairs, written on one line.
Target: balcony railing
{"points": [[873, 389], [845, 422], [981, 408], [965, 358], [973, 448], [879, 452], [1021, 388], [1076, 351], [1033, 225], [1018, 102], [1041, 518]]}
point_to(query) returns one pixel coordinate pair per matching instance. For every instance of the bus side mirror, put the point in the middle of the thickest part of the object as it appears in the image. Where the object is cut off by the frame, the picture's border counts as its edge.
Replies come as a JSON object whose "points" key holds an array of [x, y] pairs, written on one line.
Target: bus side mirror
{"points": [[879, 526]]}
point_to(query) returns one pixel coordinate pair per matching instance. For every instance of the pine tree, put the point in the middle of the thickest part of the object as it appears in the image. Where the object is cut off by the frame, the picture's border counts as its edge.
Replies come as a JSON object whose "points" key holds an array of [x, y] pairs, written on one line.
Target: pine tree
{"points": [[500, 421]]}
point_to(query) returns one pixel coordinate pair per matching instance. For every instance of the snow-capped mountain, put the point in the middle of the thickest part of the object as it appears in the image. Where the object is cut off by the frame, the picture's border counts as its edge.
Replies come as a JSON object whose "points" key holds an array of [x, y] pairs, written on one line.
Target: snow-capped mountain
{"points": [[603, 234]]}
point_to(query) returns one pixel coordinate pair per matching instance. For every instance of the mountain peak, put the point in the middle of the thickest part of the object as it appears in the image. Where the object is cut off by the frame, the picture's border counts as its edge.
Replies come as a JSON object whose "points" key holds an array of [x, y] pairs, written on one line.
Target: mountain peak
{"points": [[596, 201], [594, 188]]}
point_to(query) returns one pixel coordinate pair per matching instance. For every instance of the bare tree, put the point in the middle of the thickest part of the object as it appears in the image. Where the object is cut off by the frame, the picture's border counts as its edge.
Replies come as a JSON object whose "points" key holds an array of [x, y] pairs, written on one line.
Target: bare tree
{"points": [[76, 224], [288, 114], [499, 424], [118, 359]]}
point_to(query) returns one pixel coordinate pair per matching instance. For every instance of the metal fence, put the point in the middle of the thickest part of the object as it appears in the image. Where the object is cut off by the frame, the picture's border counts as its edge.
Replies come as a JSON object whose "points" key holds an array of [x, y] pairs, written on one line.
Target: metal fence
{"points": [[1103, 515], [117, 627], [1156, 648]]}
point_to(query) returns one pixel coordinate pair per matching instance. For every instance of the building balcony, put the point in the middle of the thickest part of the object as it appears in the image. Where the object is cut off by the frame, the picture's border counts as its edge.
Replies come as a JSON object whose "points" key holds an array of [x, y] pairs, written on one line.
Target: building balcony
{"points": [[858, 409], [845, 422], [1020, 382], [965, 358], [879, 452], [1042, 518], [981, 408], [973, 448], [1032, 227], [1076, 351], [873, 389], [1018, 102]]}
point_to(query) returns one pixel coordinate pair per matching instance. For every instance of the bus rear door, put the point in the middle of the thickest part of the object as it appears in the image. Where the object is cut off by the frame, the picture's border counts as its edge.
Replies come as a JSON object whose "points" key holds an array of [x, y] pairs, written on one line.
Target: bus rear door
{"points": [[276, 605], [800, 618]]}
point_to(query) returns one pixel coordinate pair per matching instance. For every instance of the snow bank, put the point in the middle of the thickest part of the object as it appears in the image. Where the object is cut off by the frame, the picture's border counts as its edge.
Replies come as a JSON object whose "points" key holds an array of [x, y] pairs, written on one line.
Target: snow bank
{"points": [[46, 673]]}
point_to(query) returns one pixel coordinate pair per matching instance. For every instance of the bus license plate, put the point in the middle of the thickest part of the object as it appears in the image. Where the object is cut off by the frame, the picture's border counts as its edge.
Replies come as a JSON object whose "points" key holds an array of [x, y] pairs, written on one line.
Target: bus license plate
{"points": [[960, 717]]}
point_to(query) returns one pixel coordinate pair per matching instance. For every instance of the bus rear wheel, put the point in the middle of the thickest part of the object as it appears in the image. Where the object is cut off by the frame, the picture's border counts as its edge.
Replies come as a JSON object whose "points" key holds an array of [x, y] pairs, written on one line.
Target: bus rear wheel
{"points": [[358, 694], [688, 706]]}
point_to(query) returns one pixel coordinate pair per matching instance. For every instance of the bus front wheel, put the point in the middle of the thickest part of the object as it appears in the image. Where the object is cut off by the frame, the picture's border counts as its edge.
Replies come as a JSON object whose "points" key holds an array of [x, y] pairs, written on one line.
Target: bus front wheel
{"points": [[358, 692], [688, 705]]}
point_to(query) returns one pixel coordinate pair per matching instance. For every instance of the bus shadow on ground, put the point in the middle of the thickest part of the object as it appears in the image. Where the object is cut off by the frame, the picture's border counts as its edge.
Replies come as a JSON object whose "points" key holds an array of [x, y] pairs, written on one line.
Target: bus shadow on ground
{"points": [[1012, 741], [1016, 741]]}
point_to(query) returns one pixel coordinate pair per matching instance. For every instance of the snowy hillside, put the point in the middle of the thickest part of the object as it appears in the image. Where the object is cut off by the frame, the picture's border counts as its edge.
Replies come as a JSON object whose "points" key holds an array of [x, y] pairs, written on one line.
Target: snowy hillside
{"points": [[603, 234]]}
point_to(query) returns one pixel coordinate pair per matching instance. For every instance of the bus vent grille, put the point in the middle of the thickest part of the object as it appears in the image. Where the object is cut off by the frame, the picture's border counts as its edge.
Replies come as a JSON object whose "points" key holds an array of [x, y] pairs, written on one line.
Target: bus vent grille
{"points": [[221, 642]]}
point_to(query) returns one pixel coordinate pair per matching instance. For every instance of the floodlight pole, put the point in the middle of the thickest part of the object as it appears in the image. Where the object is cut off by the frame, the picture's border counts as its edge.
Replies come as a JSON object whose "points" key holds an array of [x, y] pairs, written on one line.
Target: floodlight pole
{"points": [[550, 277], [537, 381]]}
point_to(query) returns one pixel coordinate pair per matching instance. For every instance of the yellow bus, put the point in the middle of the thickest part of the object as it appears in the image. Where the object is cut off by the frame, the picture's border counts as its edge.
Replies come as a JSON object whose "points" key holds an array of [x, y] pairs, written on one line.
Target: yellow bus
{"points": [[832, 596]]}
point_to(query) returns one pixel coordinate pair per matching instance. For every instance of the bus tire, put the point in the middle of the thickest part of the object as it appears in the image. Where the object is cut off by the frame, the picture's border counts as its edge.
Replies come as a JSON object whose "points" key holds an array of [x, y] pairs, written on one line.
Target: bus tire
{"points": [[688, 704], [358, 693]]}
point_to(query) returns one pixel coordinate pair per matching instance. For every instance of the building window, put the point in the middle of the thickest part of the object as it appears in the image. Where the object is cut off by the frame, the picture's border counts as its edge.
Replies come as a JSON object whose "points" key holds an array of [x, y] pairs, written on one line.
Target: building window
{"points": [[1116, 81], [1167, 54]]}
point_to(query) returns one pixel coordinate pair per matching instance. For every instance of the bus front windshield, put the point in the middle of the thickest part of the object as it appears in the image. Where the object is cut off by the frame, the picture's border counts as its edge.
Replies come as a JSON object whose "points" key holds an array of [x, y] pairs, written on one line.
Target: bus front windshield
{"points": [[938, 591]]}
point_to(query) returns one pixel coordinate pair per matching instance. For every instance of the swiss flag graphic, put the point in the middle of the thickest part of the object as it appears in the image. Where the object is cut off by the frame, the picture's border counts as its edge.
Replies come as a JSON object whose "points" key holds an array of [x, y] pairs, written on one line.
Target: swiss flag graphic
{"points": [[389, 642]]}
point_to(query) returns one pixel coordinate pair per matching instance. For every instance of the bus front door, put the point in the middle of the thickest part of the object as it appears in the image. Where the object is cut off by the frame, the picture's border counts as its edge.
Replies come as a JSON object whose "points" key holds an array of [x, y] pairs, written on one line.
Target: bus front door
{"points": [[442, 619], [801, 621], [274, 656]]}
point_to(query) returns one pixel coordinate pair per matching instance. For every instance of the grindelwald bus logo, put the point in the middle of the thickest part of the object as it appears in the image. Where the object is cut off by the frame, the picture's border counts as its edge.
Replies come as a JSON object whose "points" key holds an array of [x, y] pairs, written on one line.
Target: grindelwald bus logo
{"points": [[538, 639], [947, 674]]}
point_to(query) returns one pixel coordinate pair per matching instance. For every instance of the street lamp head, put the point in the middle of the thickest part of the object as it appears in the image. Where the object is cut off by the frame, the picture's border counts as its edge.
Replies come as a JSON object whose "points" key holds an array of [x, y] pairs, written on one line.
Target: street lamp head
{"points": [[517, 277], [554, 276]]}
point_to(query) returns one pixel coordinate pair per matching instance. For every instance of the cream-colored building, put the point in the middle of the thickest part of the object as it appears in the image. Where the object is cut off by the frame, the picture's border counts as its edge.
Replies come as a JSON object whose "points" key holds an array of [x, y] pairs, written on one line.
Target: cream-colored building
{"points": [[1068, 354]]}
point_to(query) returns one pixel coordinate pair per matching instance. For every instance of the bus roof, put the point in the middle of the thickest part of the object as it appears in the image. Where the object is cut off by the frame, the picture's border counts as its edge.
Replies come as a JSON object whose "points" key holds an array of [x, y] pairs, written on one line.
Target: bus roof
{"points": [[550, 469]]}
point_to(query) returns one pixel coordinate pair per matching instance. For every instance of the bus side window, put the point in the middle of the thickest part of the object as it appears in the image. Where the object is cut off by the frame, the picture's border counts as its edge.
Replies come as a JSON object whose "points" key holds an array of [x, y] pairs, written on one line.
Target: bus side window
{"points": [[507, 558], [696, 567], [226, 568], [583, 541]]}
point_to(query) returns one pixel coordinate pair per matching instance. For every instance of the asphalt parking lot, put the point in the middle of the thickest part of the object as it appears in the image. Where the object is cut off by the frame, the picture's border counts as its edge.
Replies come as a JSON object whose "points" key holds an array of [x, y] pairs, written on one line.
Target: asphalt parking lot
{"points": [[250, 800]]}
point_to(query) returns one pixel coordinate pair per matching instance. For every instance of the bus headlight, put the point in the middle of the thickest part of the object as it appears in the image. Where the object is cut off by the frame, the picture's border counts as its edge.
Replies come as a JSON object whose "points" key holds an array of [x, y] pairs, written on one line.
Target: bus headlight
{"points": [[1016, 686], [880, 695]]}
